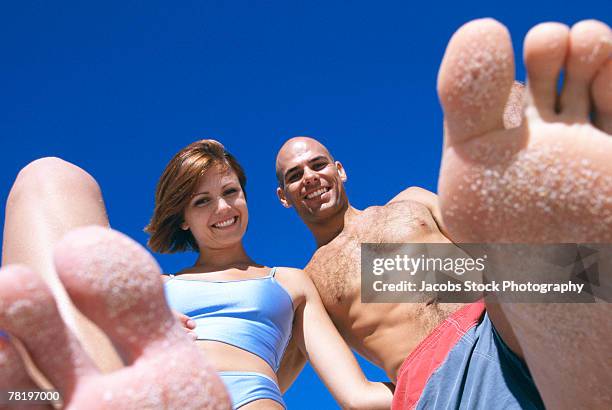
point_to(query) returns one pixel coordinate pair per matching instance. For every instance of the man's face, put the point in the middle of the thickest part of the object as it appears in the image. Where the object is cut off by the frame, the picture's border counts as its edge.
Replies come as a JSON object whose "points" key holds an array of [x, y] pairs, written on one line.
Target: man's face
{"points": [[311, 181]]}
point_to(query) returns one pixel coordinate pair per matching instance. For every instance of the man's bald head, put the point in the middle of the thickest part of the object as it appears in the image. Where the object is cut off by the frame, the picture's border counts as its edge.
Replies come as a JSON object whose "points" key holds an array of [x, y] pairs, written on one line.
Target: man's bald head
{"points": [[310, 181], [294, 147]]}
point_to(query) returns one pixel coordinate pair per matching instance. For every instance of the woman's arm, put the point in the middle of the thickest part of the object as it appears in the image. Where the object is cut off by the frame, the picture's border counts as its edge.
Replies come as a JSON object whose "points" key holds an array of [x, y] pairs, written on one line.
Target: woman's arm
{"points": [[331, 358], [291, 366]]}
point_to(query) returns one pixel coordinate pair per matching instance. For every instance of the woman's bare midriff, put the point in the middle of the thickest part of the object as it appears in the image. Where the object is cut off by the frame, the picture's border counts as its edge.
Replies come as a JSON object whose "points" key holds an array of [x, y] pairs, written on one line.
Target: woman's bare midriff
{"points": [[224, 357]]}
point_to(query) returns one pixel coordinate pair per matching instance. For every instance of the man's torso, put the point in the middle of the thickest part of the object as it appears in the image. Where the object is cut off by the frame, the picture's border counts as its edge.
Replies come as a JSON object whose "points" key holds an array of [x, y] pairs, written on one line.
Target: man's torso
{"points": [[384, 333]]}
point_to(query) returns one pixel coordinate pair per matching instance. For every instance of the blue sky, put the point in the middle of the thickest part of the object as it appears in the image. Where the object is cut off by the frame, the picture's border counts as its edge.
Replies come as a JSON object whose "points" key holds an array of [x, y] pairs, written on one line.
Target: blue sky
{"points": [[119, 87]]}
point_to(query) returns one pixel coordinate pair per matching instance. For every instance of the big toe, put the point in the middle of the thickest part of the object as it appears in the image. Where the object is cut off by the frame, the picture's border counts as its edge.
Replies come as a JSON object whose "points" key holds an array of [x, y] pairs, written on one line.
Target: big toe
{"points": [[475, 79], [117, 284]]}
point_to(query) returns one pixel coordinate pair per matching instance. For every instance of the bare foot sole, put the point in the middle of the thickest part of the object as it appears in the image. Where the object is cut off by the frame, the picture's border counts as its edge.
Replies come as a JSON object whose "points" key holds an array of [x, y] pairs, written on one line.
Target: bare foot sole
{"points": [[547, 181], [115, 283]]}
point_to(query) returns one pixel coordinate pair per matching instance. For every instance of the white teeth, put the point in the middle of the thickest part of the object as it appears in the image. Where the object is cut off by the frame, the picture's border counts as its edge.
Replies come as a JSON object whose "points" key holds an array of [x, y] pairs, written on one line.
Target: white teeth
{"points": [[316, 193], [226, 223]]}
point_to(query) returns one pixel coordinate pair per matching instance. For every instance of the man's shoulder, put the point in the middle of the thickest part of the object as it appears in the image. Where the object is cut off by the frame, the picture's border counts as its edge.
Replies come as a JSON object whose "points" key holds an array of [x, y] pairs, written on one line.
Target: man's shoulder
{"points": [[330, 255], [323, 251], [414, 193]]}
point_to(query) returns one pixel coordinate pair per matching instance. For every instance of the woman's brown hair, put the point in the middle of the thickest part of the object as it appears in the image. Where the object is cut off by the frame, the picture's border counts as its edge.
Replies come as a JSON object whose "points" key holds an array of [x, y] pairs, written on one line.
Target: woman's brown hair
{"points": [[174, 190]]}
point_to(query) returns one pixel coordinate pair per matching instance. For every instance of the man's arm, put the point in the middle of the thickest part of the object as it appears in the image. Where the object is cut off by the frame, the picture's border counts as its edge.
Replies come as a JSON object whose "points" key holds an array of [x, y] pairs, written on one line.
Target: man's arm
{"points": [[429, 199], [291, 366]]}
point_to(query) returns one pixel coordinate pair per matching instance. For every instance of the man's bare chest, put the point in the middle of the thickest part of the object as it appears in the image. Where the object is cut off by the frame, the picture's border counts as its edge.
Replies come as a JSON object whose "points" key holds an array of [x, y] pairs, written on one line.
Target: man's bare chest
{"points": [[335, 268]]}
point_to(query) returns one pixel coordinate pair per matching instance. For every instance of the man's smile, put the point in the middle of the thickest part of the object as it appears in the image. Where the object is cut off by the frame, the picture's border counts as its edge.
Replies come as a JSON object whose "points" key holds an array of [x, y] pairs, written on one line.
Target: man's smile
{"points": [[317, 193]]}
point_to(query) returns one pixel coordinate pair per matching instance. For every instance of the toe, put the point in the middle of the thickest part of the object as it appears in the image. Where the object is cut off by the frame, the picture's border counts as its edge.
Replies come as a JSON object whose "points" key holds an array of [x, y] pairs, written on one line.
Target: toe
{"points": [[28, 311], [589, 48], [174, 380], [601, 90], [117, 284], [544, 52], [515, 106], [13, 376], [475, 79]]}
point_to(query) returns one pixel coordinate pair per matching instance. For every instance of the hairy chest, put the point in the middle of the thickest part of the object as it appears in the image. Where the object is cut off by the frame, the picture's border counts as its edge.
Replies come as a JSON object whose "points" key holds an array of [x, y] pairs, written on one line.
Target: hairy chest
{"points": [[335, 268]]}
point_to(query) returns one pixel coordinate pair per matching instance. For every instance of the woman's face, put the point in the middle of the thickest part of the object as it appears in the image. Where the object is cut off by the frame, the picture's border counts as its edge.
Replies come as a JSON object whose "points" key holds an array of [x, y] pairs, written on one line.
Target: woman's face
{"points": [[217, 213]]}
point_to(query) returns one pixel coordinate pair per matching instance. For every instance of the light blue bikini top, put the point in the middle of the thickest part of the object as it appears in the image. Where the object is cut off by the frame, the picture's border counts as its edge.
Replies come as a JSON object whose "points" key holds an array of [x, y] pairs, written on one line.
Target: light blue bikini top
{"points": [[254, 314]]}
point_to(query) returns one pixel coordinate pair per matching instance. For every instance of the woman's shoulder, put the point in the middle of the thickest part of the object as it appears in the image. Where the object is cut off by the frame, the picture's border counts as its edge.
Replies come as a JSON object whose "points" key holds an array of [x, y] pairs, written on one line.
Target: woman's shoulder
{"points": [[295, 276], [289, 272], [295, 281], [166, 276]]}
